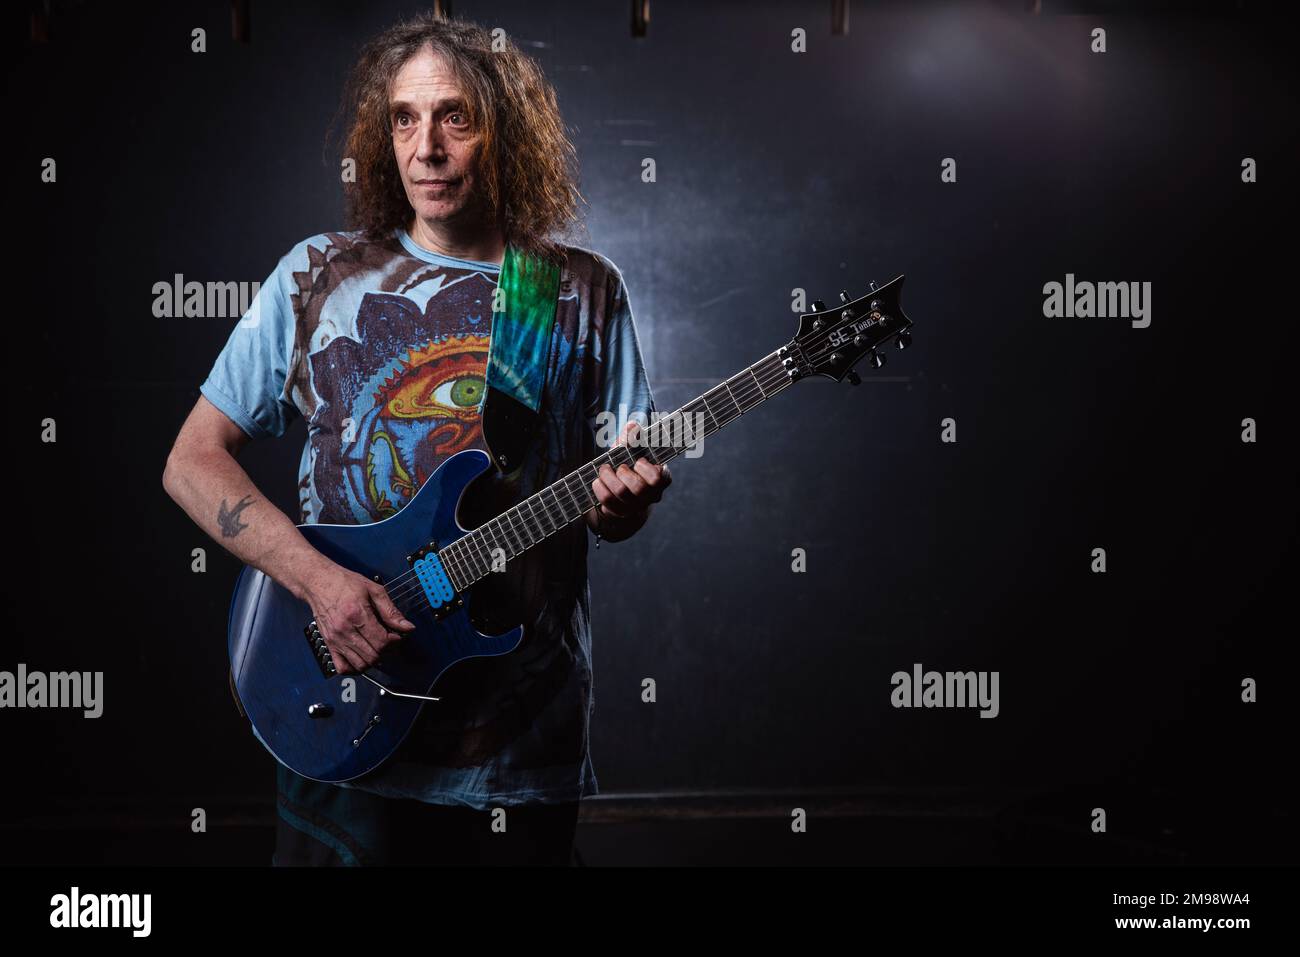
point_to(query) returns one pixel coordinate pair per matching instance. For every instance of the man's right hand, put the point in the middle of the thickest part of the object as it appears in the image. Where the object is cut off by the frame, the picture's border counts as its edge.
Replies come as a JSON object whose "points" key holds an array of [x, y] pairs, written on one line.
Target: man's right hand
{"points": [[355, 616]]}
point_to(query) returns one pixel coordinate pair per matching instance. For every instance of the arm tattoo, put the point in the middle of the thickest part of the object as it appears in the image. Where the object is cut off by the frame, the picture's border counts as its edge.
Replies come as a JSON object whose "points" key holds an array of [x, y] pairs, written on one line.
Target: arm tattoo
{"points": [[228, 518]]}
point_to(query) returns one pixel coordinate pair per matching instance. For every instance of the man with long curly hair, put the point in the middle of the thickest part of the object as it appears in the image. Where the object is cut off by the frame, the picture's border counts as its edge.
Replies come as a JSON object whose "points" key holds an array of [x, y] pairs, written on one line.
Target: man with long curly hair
{"points": [[379, 337]]}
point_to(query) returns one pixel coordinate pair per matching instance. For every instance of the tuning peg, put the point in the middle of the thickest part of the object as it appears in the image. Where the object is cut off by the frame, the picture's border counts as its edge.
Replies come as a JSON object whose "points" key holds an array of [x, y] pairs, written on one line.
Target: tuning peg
{"points": [[904, 340], [871, 286], [844, 296], [877, 359], [854, 378], [819, 306]]}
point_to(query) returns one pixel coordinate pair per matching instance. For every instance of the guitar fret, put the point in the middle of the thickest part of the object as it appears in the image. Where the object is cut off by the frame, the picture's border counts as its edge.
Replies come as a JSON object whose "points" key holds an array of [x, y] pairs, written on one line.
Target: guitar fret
{"points": [[704, 399], [732, 397], [548, 507], [526, 515], [481, 547], [579, 496], [524, 542], [541, 516], [721, 396], [507, 532], [498, 540], [559, 505], [452, 564], [588, 474], [471, 555]]}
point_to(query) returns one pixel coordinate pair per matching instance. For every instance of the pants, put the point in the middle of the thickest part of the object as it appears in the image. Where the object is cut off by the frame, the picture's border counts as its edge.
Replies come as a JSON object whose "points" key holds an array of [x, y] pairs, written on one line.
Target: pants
{"points": [[323, 825]]}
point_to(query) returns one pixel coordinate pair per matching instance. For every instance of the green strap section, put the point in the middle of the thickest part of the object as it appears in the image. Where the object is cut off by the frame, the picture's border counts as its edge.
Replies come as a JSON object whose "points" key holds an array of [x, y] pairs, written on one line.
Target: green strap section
{"points": [[521, 334]]}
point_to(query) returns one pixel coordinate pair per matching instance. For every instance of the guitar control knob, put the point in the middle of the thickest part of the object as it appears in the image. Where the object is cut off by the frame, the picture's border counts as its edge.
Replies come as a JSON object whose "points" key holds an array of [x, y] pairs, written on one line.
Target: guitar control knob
{"points": [[854, 378], [819, 306], [904, 340], [877, 360]]}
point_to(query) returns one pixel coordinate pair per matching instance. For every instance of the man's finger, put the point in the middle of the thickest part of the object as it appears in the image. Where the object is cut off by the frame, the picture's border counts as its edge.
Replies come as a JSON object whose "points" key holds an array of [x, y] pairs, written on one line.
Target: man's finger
{"points": [[345, 659], [656, 476], [614, 484], [632, 481], [609, 502], [386, 611]]}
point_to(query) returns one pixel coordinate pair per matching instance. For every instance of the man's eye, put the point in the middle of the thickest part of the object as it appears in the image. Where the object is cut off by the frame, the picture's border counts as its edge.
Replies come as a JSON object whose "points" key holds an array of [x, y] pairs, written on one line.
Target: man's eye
{"points": [[460, 117]]}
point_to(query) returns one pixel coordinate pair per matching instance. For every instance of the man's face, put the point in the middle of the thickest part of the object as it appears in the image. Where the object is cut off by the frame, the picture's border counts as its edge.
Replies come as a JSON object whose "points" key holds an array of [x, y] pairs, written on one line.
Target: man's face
{"points": [[436, 150]]}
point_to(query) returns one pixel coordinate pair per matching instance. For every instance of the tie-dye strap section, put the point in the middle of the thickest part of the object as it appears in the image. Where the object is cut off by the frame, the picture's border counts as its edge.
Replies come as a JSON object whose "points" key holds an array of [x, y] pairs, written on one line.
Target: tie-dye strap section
{"points": [[521, 333]]}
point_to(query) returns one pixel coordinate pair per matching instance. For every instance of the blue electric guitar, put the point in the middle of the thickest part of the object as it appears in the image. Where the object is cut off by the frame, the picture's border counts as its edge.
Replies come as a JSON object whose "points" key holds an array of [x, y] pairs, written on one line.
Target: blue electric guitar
{"points": [[282, 670]]}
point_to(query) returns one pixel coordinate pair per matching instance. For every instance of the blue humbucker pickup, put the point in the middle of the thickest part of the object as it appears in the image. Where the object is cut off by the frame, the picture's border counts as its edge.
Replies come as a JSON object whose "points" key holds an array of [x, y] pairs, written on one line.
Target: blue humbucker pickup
{"points": [[433, 579]]}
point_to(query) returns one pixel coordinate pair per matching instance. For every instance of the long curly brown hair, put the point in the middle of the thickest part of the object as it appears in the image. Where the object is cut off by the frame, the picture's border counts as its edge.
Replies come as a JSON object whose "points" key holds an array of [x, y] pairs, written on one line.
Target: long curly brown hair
{"points": [[527, 163]]}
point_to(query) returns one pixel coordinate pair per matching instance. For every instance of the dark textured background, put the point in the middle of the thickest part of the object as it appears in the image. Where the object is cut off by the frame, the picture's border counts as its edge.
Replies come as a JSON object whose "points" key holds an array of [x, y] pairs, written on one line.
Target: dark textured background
{"points": [[775, 171]]}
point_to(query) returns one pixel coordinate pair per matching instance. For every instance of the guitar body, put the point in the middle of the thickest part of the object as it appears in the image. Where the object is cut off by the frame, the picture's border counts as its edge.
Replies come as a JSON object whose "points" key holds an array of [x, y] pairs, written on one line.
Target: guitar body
{"points": [[296, 710]]}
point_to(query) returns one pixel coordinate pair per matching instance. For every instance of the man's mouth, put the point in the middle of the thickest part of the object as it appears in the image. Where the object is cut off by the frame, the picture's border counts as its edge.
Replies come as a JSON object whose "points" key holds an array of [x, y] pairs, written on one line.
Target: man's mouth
{"points": [[436, 183]]}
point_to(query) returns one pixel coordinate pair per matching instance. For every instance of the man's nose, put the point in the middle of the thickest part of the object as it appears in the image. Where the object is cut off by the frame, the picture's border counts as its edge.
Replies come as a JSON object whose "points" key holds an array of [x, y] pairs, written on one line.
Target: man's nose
{"points": [[430, 148]]}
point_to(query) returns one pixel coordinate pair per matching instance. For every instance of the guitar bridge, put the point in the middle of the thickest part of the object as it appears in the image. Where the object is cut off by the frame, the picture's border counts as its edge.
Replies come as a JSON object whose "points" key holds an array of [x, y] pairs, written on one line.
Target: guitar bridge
{"points": [[318, 649]]}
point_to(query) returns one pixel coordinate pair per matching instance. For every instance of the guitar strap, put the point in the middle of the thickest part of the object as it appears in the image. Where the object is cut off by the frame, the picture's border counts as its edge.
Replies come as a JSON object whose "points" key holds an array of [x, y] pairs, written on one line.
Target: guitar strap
{"points": [[519, 355]]}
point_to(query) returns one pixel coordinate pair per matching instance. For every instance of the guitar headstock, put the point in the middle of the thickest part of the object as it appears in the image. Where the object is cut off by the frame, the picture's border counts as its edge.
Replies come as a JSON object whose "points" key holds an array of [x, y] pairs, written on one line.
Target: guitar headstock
{"points": [[831, 341]]}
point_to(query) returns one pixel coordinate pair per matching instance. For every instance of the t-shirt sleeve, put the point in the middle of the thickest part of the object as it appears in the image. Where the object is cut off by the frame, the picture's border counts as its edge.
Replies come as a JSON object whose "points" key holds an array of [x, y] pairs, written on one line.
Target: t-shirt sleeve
{"points": [[621, 388], [249, 380]]}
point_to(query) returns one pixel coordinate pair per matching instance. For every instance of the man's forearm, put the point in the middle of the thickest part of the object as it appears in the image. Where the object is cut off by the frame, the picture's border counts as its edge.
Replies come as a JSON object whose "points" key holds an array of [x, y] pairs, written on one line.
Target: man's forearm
{"points": [[216, 492]]}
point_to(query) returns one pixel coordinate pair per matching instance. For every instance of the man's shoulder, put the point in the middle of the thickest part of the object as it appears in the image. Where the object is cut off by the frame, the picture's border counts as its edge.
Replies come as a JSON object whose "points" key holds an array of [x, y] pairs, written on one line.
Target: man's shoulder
{"points": [[588, 267]]}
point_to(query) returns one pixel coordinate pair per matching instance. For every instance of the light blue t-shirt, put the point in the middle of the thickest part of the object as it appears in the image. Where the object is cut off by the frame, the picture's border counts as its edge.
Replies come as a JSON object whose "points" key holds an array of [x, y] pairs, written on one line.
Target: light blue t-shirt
{"points": [[382, 348]]}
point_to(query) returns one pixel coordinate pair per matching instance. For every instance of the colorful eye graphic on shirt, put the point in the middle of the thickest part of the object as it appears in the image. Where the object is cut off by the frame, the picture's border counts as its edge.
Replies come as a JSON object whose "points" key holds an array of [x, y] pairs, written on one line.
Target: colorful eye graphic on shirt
{"points": [[427, 409], [451, 384]]}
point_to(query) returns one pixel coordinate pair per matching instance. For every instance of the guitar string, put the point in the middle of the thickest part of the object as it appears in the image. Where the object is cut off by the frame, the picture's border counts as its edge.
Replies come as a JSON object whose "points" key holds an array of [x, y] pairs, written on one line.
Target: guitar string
{"points": [[463, 562], [763, 379], [528, 513], [762, 384]]}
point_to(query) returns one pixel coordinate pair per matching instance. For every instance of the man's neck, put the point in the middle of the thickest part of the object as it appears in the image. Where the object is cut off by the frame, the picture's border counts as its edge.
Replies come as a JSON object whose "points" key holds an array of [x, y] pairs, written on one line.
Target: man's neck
{"points": [[487, 246]]}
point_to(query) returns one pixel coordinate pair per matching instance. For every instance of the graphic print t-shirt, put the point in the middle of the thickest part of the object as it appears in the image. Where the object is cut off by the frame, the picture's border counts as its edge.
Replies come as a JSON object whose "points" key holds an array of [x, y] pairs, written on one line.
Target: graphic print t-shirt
{"points": [[382, 348]]}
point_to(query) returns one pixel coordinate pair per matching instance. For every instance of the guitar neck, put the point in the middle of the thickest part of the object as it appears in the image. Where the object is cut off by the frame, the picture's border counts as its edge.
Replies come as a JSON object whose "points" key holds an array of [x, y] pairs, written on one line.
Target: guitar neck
{"points": [[513, 532]]}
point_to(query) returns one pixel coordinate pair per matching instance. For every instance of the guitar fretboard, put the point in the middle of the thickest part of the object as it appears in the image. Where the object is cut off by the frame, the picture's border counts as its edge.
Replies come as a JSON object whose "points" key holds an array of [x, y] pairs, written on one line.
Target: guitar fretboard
{"points": [[544, 513]]}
